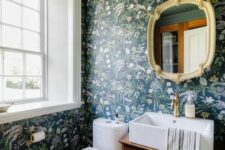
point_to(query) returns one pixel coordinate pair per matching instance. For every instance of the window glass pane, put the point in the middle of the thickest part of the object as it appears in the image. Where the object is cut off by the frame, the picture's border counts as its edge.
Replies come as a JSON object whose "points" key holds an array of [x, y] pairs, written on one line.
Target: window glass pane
{"points": [[0, 32], [1, 62], [35, 4], [1, 89], [33, 65], [33, 87], [11, 13], [31, 19], [11, 37], [17, 1], [31, 41], [13, 88], [13, 63]]}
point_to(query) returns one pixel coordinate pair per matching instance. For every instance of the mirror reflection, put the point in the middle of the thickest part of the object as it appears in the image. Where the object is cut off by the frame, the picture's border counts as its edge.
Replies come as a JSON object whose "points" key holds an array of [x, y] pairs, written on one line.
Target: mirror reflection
{"points": [[181, 39]]}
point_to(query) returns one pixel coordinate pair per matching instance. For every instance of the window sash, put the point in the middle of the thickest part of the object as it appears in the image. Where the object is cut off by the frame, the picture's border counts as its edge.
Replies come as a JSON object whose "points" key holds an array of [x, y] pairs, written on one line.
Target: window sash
{"points": [[25, 6], [24, 76], [42, 52], [22, 28], [18, 27]]}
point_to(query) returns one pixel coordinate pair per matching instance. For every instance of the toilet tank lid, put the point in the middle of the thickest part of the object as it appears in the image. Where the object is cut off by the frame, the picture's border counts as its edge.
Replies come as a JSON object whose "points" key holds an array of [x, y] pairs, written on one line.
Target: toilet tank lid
{"points": [[109, 123]]}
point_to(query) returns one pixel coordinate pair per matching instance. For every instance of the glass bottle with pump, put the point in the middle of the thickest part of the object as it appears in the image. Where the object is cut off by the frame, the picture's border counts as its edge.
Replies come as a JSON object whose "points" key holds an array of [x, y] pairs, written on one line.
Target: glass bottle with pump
{"points": [[189, 107]]}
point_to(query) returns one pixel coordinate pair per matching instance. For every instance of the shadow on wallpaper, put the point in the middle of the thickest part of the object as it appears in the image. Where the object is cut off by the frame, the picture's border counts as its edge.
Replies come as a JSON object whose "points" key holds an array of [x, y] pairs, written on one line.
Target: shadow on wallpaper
{"points": [[116, 74]]}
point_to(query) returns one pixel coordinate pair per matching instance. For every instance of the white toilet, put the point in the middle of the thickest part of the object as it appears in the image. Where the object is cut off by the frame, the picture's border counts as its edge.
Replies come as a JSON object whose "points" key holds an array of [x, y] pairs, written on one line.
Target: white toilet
{"points": [[106, 134]]}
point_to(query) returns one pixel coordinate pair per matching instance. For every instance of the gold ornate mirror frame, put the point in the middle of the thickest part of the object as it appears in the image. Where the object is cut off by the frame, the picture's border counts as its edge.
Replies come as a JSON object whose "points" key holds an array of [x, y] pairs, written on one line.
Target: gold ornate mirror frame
{"points": [[211, 28]]}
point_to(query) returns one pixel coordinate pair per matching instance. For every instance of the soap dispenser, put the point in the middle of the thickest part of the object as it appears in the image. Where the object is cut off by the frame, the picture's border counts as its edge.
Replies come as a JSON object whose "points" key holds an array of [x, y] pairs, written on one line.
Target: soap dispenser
{"points": [[189, 107]]}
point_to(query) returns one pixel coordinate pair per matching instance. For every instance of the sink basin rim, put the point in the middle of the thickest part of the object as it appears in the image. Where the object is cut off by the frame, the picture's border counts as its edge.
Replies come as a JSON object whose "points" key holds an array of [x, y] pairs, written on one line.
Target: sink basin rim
{"points": [[169, 116], [147, 127]]}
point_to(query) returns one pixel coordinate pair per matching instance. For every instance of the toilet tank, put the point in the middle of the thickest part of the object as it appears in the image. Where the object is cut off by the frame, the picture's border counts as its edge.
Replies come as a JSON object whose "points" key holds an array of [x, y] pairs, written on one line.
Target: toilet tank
{"points": [[106, 134]]}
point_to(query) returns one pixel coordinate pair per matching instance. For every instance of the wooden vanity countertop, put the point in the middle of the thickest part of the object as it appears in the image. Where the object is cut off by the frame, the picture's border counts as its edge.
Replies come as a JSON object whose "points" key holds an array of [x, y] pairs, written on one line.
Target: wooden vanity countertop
{"points": [[125, 141]]}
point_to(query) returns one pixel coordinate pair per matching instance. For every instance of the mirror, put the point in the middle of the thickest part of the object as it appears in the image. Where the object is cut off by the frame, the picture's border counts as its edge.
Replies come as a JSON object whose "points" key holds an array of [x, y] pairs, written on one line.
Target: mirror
{"points": [[181, 39]]}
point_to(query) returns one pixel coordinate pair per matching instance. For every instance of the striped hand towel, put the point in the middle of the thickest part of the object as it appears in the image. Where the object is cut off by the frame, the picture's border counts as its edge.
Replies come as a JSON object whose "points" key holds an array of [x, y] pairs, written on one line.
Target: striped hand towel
{"points": [[179, 139]]}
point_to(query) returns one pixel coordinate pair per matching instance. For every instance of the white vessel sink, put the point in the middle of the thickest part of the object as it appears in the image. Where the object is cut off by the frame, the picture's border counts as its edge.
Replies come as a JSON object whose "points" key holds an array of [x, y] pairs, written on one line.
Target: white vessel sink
{"points": [[151, 129]]}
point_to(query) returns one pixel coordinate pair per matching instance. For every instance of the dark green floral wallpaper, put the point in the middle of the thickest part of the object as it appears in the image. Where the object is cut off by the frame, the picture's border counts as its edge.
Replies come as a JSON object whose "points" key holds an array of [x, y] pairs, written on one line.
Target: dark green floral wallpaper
{"points": [[70, 130], [118, 79], [116, 74]]}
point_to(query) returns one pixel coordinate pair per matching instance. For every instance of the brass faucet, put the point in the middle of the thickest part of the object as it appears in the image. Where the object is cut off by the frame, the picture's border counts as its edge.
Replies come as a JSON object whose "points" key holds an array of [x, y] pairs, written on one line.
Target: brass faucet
{"points": [[175, 106]]}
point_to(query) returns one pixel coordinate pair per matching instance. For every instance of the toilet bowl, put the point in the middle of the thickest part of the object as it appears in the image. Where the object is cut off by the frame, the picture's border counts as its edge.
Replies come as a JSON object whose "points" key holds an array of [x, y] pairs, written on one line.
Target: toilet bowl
{"points": [[107, 133]]}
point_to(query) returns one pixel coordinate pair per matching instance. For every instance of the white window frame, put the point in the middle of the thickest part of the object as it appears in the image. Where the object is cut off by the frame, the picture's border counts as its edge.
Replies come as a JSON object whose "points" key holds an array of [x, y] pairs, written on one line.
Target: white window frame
{"points": [[29, 110], [42, 53], [74, 54]]}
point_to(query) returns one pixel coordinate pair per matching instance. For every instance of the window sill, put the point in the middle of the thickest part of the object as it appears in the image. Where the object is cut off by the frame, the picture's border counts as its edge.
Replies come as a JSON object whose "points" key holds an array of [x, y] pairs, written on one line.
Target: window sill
{"points": [[25, 111]]}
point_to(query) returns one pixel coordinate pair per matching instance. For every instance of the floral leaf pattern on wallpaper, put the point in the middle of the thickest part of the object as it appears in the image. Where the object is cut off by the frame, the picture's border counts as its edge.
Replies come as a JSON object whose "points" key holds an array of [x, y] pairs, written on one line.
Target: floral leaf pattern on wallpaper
{"points": [[116, 74], [64, 130], [118, 79]]}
